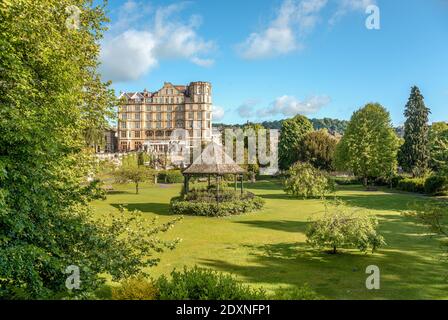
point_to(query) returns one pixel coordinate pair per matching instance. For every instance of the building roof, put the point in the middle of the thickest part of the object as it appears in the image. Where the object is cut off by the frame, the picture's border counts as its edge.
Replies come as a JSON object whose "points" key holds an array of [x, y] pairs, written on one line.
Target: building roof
{"points": [[213, 160]]}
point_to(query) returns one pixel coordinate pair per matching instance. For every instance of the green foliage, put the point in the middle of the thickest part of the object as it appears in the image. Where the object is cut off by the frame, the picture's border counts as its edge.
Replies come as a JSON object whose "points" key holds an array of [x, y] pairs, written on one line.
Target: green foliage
{"points": [[170, 176], [204, 284], [332, 125], [346, 181], [136, 174], [135, 288], [438, 145], [436, 184], [318, 148], [412, 185], [414, 153], [369, 146], [342, 229], [53, 104], [211, 208], [305, 181], [292, 133]]}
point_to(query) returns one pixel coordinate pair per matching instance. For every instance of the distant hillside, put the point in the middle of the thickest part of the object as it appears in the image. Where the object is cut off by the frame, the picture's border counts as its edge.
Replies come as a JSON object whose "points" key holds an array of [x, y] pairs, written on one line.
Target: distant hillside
{"points": [[332, 125]]}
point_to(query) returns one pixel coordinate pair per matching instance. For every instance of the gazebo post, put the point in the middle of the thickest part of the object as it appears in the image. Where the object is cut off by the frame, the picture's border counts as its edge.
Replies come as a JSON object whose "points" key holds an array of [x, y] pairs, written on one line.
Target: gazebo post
{"points": [[236, 181], [186, 183], [242, 188], [209, 181]]}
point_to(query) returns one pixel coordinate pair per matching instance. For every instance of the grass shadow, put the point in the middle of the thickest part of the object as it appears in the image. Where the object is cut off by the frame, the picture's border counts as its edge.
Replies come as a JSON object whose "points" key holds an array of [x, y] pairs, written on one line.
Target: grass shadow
{"points": [[156, 208]]}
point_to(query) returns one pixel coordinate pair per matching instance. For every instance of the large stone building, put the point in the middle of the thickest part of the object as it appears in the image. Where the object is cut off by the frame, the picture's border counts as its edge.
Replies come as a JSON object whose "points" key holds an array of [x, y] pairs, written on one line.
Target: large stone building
{"points": [[147, 119]]}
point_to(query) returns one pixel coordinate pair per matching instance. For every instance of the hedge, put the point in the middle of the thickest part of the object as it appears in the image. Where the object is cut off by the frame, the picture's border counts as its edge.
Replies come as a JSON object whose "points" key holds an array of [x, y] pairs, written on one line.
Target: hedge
{"points": [[436, 185], [170, 176], [213, 208], [412, 185]]}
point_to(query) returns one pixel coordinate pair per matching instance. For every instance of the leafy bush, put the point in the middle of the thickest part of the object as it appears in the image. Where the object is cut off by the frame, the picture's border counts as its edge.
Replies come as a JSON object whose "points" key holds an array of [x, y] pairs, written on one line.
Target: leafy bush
{"points": [[340, 229], [204, 284], [171, 176], [307, 182], [412, 185], [436, 185], [136, 288], [213, 208]]}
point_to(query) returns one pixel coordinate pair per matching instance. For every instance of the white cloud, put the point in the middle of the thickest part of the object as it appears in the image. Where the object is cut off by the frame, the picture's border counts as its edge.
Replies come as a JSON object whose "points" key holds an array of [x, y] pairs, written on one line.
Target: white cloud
{"points": [[346, 6], [217, 113], [128, 53], [246, 110], [294, 20], [291, 106]]}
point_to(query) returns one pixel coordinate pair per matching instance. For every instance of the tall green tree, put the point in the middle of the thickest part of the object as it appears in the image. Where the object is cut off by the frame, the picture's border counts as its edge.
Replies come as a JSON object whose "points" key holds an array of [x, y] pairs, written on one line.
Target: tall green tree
{"points": [[438, 146], [414, 154], [50, 96], [291, 136], [318, 148], [369, 146]]}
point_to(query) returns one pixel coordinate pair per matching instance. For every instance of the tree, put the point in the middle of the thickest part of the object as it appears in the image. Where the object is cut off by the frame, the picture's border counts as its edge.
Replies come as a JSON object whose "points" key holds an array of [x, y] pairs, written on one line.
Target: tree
{"points": [[343, 229], [438, 146], [305, 181], [50, 95], [291, 136], [136, 174], [369, 146], [318, 148], [414, 153]]}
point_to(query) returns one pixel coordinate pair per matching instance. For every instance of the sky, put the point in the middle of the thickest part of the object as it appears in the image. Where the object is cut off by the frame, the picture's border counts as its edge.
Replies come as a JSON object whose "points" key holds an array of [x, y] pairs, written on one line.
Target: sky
{"points": [[270, 60]]}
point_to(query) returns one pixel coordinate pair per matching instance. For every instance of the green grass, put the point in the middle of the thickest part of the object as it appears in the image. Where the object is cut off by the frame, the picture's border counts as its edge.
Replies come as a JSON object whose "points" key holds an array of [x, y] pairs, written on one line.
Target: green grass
{"points": [[268, 248]]}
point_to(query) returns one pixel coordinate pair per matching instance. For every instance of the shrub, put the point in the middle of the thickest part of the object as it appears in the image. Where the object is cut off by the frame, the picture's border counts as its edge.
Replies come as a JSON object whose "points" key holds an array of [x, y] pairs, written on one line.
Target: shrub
{"points": [[136, 288], [412, 185], [204, 284], [305, 181], [171, 176], [215, 209], [436, 185], [340, 229]]}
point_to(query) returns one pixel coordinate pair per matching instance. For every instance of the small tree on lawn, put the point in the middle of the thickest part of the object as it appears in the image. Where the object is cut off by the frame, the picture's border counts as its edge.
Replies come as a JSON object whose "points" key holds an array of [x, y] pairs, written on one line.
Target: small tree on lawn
{"points": [[369, 146], [342, 229], [135, 174], [305, 181]]}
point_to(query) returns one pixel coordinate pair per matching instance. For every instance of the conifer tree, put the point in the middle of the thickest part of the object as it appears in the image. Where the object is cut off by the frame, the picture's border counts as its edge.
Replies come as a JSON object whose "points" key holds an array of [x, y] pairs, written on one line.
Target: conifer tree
{"points": [[414, 153]]}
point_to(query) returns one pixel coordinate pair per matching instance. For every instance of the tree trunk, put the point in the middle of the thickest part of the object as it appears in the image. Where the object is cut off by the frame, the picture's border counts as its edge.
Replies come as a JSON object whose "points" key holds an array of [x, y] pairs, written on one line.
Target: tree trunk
{"points": [[334, 250], [136, 188], [253, 177], [365, 182]]}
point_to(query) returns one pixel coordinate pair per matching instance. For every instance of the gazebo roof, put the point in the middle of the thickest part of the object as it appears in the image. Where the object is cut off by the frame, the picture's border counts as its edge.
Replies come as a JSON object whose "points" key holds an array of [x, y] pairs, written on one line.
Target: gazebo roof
{"points": [[213, 160]]}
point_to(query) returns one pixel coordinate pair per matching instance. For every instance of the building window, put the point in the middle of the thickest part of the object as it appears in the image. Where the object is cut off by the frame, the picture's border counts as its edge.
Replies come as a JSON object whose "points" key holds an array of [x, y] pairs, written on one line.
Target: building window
{"points": [[137, 108], [137, 145], [148, 108], [148, 124], [123, 125], [159, 116], [158, 108], [159, 125], [190, 115], [170, 108], [137, 116], [123, 134], [137, 134], [137, 125], [124, 116]]}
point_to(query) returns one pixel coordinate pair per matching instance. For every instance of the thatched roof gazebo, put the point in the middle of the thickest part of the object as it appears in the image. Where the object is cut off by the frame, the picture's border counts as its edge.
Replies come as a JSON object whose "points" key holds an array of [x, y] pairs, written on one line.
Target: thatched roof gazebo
{"points": [[213, 162]]}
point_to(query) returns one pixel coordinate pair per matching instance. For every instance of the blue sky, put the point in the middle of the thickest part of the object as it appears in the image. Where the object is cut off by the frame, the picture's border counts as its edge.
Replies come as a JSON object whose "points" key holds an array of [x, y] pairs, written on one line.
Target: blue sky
{"points": [[269, 60]]}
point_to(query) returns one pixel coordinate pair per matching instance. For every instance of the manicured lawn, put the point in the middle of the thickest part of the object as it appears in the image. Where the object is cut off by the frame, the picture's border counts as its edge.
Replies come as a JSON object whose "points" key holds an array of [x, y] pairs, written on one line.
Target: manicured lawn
{"points": [[268, 248]]}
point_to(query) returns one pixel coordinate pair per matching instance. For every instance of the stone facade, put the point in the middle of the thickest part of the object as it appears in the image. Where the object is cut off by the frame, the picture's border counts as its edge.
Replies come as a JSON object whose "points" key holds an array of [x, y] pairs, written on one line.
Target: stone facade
{"points": [[147, 119]]}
